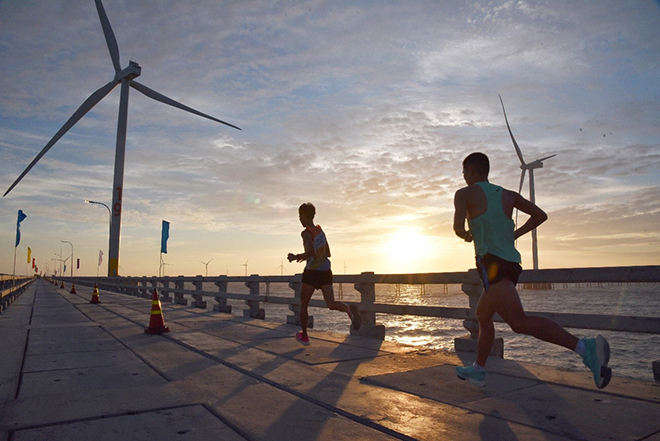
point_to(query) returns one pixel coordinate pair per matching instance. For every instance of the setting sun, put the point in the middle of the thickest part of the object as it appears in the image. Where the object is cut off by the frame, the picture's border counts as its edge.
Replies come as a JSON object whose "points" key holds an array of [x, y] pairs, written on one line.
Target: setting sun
{"points": [[405, 248]]}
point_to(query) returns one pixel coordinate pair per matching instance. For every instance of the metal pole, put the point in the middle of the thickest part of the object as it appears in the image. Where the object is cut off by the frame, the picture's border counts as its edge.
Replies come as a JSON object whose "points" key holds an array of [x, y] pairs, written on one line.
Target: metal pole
{"points": [[532, 198], [118, 183], [66, 241]]}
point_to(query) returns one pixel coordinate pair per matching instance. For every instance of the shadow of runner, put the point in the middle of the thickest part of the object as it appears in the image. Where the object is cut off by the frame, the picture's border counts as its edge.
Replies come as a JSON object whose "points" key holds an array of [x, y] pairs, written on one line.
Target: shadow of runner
{"points": [[324, 389]]}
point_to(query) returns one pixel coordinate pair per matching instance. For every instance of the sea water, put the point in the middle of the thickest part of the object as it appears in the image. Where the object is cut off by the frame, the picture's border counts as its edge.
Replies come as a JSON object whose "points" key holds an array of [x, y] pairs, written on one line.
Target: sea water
{"points": [[631, 353]]}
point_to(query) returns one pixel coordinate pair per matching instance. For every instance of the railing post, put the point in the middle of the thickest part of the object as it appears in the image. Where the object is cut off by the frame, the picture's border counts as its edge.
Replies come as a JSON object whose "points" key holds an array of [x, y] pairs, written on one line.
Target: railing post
{"points": [[165, 290], [254, 311], [366, 286], [144, 289], [198, 301], [296, 285], [178, 296], [469, 342], [154, 285], [221, 301]]}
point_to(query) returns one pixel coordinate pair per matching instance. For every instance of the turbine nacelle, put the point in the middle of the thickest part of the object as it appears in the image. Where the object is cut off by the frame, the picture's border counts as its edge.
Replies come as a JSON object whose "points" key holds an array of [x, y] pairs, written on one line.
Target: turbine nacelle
{"points": [[535, 164], [132, 71]]}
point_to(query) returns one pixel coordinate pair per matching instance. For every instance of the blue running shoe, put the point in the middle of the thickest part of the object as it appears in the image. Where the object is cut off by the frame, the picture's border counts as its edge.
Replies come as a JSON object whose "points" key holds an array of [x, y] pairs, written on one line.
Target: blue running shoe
{"points": [[475, 378], [596, 357]]}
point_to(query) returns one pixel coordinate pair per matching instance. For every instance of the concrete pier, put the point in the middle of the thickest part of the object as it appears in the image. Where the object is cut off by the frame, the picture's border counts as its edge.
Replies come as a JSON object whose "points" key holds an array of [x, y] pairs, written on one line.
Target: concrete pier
{"points": [[71, 370]]}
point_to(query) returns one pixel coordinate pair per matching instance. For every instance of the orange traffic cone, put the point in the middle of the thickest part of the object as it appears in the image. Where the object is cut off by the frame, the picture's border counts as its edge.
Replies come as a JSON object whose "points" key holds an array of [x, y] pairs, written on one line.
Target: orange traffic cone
{"points": [[95, 295], [156, 322], [73, 289], [62, 286]]}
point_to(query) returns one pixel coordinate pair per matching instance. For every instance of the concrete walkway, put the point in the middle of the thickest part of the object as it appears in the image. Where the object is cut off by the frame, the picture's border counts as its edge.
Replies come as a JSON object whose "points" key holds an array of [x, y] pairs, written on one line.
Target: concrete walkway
{"points": [[71, 370]]}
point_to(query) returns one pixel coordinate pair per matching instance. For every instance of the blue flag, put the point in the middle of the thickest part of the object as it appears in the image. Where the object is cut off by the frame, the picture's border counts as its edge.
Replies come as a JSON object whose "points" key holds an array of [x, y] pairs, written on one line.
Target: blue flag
{"points": [[164, 236], [21, 217]]}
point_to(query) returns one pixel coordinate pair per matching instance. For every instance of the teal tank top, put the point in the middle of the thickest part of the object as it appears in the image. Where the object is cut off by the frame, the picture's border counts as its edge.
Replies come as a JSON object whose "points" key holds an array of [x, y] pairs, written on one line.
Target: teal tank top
{"points": [[492, 232]]}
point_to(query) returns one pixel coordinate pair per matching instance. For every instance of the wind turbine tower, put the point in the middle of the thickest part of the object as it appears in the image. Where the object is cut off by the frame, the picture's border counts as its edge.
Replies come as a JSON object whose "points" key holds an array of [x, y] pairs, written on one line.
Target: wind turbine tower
{"points": [[126, 78], [527, 167]]}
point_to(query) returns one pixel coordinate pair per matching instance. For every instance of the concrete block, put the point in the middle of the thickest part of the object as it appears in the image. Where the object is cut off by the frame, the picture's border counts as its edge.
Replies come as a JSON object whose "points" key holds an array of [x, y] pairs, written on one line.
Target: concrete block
{"points": [[255, 313], [295, 320], [376, 331], [466, 344], [198, 303], [222, 308]]}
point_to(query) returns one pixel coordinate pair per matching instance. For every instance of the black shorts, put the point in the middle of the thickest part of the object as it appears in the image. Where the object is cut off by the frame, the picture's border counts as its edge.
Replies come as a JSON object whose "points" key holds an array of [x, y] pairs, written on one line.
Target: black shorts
{"points": [[317, 278], [492, 269]]}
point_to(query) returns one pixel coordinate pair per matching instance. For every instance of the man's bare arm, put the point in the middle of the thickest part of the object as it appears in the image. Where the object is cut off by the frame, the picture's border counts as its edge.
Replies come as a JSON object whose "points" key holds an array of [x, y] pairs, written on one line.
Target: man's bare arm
{"points": [[308, 243], [536, 215], [460, 214]]}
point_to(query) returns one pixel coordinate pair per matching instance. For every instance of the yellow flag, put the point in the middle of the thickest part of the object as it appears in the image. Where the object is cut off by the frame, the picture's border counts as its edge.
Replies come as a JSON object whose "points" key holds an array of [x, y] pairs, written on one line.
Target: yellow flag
{"points": [[29, 252]]}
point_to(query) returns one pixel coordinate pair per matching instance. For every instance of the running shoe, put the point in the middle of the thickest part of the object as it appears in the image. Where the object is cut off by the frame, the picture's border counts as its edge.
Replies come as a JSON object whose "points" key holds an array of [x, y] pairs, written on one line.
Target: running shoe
{"points": [[354, 315], [475, 378], [596, 357], [302, 339]]}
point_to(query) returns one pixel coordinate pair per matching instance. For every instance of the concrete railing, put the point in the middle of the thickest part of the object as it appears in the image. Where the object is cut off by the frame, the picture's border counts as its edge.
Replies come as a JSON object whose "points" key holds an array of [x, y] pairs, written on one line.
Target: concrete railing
{"points": [[11, 288], [180, 289]]}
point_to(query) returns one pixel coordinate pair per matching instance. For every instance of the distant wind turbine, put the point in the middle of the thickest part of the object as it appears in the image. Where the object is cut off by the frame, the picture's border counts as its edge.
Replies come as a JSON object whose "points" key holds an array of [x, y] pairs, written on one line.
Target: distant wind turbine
{"points": [[206, 264], [525, 167], [281, 267], [246, 266], [126, 78]]}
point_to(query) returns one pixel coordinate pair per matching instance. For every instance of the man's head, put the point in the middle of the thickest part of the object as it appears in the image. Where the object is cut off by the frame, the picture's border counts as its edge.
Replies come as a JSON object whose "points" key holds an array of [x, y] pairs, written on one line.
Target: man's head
{"points": [[306, 211], [475, 168]]}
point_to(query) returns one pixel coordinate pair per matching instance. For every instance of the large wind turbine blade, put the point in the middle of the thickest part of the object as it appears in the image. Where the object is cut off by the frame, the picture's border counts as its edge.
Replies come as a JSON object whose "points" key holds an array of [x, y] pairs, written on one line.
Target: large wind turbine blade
{"points": [[515, 144], [163, 99], [522, 179], [82, 110], [547, 157], [109, 36]]}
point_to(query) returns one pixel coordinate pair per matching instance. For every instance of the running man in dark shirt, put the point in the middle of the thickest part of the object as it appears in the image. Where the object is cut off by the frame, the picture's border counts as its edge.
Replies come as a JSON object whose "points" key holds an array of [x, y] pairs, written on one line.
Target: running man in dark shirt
{"points": [[488, 209]]}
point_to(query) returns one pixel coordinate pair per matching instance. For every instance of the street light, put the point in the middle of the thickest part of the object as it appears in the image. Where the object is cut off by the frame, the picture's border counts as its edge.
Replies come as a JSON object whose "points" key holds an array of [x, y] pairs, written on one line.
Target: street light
{"points": [[109, 224], [59, 260], [66, 241]]}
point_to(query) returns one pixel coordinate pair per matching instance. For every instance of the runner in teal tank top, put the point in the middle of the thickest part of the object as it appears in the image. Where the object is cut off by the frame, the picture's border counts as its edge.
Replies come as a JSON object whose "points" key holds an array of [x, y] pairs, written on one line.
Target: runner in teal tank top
{"points": [[488, 209]]}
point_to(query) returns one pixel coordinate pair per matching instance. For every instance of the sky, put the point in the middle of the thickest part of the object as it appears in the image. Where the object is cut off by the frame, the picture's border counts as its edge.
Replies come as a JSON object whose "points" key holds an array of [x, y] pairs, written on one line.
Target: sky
{"points": [[365, 109]]}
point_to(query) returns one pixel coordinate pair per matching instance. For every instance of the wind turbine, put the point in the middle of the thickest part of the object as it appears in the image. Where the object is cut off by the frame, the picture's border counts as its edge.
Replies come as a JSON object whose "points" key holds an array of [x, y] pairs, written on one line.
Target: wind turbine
{"points": [[126, 78], [527, 167], [246, 266], [206, 264]]}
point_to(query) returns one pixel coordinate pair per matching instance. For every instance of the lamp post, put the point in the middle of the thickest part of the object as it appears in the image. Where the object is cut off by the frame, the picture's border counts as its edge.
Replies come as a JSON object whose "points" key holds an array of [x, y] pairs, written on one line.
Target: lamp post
{"points": [[60, 260], [66, 241], [109, 223]]}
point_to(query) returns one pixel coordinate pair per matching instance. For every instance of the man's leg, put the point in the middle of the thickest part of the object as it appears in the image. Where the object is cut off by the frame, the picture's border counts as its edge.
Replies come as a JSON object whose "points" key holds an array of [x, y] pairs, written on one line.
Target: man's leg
{"points": [[334, 305], [306, 292], [329, 297], [485, 312], [504, 299]]}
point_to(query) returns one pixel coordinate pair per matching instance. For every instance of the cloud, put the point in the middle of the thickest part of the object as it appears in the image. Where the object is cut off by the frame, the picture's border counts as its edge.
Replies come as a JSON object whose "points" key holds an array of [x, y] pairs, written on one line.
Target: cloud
{"points": [[366, 109]]}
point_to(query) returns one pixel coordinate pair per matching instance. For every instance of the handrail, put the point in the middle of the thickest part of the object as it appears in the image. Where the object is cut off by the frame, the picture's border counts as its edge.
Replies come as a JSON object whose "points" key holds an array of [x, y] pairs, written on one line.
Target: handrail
{"points": [[368, 306], [11, 288]]}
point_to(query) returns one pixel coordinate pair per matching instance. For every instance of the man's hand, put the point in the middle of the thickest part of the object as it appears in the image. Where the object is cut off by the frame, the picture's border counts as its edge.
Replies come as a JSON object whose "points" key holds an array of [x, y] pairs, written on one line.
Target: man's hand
{"points": [[291, 257]]}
